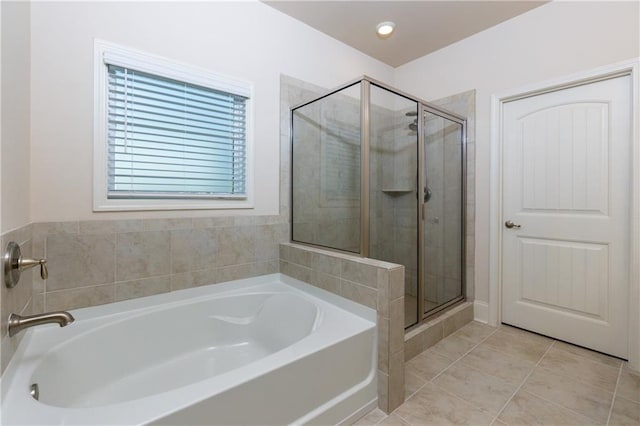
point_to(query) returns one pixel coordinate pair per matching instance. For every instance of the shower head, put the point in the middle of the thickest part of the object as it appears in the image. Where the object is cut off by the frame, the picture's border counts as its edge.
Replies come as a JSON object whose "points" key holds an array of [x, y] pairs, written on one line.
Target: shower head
{"points": [[413, 127]]}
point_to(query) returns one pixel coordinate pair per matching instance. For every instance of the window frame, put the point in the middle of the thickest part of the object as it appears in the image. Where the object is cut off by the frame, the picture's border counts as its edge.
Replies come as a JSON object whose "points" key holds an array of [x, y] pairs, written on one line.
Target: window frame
{"points": [[110, 53]]}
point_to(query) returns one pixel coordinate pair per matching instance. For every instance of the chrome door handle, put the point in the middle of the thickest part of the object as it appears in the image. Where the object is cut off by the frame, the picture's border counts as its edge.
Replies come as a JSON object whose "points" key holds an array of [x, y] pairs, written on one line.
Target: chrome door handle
{"points": [[509, 224]]}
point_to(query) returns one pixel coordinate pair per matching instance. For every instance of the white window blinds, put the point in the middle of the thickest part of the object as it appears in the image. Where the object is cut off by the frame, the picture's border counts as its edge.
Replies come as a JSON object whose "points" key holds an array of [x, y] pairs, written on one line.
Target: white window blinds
{"points": [[170, 139]]}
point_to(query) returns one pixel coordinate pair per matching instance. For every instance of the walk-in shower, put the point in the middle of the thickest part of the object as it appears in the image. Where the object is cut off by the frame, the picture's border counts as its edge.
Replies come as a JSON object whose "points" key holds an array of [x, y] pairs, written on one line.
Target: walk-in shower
{"points": [[379, 173]]}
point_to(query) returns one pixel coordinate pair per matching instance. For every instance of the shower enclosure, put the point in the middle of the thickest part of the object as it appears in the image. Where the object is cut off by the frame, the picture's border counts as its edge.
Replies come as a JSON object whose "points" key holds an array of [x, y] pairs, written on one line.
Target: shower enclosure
{"points": [[380, 173]]}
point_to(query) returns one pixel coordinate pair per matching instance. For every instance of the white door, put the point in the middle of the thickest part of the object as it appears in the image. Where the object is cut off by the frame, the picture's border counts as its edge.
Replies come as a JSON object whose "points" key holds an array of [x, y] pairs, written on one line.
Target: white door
{"points": [[566, 189]]}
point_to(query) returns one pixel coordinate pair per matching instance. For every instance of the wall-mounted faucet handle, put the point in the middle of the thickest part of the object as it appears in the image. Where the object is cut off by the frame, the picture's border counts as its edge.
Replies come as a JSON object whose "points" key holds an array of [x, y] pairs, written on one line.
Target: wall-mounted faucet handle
{"points": [[14, 264], [30, 263]]}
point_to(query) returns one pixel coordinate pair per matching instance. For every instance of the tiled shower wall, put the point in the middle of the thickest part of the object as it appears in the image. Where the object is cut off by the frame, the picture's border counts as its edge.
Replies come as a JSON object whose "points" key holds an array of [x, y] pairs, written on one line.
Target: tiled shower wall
{"points": [[377, 284]]}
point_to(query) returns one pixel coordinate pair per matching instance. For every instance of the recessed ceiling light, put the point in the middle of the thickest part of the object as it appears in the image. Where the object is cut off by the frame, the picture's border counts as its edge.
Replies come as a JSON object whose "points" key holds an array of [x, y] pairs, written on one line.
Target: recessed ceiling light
{"points": [[385, 29]]}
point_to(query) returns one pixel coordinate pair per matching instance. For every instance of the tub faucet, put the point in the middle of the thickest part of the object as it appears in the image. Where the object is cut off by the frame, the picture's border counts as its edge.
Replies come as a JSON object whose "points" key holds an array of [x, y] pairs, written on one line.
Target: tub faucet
{"points": [[18, 323]]}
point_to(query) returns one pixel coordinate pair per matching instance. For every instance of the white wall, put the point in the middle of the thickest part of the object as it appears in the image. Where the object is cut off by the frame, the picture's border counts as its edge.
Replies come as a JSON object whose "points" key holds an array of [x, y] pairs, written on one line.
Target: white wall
{"points": [[556, 39], [247, 40], [14, 146]]}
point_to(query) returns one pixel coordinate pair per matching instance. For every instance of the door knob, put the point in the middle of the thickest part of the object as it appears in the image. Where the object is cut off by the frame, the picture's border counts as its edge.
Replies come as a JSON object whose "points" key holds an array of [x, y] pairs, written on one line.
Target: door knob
{"points": [[509, 224]]}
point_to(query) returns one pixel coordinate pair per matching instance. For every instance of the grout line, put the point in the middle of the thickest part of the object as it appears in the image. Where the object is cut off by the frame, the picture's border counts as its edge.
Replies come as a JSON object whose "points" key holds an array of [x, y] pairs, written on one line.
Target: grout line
{"points": [[461, 356], [523, 382], [615, 391]]}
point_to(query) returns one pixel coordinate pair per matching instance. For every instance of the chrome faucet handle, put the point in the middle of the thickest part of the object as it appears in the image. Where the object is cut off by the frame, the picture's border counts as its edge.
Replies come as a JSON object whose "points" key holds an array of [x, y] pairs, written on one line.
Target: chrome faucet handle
{"points": [[30, 263], [14, 264]]}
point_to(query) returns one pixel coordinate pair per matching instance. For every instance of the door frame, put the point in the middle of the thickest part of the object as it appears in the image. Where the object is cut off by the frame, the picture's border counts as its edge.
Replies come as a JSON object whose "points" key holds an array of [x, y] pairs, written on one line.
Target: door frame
{"points": [[629, 67]]}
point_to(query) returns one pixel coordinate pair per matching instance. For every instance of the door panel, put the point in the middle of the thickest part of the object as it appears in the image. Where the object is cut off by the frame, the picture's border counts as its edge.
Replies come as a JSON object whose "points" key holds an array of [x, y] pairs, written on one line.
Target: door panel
{"points": [[566, 173]]}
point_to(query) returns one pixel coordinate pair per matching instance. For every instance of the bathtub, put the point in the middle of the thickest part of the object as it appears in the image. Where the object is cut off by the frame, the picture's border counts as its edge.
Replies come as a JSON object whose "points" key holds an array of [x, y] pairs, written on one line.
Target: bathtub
{"points": [[264, 350]]}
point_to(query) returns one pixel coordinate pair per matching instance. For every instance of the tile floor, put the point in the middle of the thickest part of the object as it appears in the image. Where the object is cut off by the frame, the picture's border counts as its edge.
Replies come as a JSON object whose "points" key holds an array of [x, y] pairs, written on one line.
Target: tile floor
{"points": [[484, 375]]}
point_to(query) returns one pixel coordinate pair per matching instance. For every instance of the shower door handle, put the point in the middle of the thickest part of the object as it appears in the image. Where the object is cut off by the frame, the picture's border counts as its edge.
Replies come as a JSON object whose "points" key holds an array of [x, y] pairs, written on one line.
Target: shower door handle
{"points": [[509, 224]]}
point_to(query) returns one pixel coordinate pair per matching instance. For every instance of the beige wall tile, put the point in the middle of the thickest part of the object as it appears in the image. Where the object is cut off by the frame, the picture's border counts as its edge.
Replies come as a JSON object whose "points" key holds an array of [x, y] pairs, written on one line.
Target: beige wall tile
{"points": [[359, 293], [396, 325], [359, 273], [80, 260], [383, 391], [212, 222], [193, 249], [396, 380], [191, 279], [83, 297], [109, 226], [141, 288], [49, 228], [167, 224], [142, 254], [235, 246]]}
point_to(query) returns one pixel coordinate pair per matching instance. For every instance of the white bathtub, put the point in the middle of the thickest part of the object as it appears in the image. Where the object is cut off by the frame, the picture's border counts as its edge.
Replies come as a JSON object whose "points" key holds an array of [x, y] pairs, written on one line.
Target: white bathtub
{"points": [[265, 350]]}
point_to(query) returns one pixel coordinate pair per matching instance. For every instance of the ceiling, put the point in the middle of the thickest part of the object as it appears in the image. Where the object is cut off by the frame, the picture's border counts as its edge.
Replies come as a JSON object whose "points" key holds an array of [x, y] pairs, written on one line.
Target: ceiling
{"points": [[422, 27]]}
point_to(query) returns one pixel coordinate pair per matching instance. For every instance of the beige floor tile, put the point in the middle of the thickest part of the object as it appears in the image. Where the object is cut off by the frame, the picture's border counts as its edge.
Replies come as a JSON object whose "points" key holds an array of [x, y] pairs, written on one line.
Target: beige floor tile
{"points": [[428, 364], [393, 420], [431, 406], [518, 332], [586, 353], [482, 390], [587, 400], [528, 409], [625, 412], [518, 345], [629, 386], [509, 368], [371, 418], [453, 346], [411, 384], [475, 331], [582, 369]]}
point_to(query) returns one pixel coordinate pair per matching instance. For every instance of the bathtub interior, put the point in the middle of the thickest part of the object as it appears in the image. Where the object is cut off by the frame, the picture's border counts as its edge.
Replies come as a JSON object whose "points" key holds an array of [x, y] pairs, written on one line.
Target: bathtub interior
{"points": [[159, 352], [284, 352]]}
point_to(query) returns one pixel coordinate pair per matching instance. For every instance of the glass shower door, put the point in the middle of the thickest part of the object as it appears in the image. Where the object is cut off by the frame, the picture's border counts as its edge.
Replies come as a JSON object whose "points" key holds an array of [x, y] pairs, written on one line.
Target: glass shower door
{"points": [[443, 219]]}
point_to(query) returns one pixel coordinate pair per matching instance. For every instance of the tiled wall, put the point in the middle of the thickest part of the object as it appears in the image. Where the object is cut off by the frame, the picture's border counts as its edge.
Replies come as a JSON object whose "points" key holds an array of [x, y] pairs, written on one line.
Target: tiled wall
{"points": [[97, 262], [377, 284], [18, 299]]}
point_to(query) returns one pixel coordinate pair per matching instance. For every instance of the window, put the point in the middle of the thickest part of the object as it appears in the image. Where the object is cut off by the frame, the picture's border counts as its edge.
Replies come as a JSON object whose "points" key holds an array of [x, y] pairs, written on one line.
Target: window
{"points": [[168, 136]]}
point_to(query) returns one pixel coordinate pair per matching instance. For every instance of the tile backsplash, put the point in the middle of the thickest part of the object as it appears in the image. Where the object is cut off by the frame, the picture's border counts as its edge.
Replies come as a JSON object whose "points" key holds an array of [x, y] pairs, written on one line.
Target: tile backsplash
{"points": [[97, 262]]}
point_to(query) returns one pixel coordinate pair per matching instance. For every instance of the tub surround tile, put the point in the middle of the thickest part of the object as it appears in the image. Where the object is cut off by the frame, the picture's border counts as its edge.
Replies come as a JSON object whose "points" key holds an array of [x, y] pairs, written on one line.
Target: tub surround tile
{"points": [[141, 288], [359, 273], [194, 249], [358, 293], [80, 260], [167, 224], [142, 255], [193, 279], [109, 226], [212, 222], [81, 297]]}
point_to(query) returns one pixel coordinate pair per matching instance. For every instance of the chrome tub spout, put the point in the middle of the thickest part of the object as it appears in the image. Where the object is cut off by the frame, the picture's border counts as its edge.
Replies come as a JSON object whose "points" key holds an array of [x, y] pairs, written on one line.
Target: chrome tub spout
{"points": [[18, 323]]}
